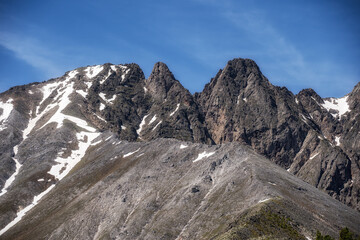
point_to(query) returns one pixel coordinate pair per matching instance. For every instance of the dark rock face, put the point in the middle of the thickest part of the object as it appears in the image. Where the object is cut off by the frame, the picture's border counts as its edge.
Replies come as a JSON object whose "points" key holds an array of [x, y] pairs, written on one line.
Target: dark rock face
{"points": [[296, 132]]}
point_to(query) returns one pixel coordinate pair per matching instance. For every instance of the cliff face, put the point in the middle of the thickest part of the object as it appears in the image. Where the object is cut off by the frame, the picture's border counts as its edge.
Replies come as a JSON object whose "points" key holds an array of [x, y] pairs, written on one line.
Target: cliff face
{"points": [[106, 135], [311, 137]]}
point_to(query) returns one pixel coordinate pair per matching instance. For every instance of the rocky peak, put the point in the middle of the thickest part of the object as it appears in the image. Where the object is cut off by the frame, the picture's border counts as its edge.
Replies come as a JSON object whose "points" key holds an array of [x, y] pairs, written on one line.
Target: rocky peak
{"points": [[160, 81], [354, 98]]}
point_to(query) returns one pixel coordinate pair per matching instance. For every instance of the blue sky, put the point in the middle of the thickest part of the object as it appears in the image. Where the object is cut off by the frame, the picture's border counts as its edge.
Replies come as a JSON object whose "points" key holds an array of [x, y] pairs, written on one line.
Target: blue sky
{"points": [[297, 44]]}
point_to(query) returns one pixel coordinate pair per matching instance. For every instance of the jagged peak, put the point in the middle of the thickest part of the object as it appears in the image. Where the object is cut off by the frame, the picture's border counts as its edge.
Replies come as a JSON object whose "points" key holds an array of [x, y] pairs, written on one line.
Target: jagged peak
{"points": [[160, 80]]}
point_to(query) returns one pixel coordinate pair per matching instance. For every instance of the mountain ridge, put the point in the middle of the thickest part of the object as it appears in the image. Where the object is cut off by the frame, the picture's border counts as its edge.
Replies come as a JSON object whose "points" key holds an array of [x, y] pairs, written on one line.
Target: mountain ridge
{"points": [[48, 128]]}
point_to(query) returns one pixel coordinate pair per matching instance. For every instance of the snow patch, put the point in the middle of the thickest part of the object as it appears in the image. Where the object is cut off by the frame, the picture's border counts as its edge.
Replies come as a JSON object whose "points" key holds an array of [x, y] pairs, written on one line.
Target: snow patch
{"points": [[156, 125], [93, 71], [203, 155], [82, 93], [22, 212], [6, 107], [11, 179], [296, 101], [106, 77], [264, 200], [152, 119], [245, 100], [102, 107], [313, 156], [107, 100], [337, 141], [65, 165], [41, 180], [72, 74], [123, 127], [177, 108], [145, 90], [141, 124], [124, 74], [113, 67], [30, 92], [182, 146], [130, 153], [338, 104], [47, 90], [59, 117]]}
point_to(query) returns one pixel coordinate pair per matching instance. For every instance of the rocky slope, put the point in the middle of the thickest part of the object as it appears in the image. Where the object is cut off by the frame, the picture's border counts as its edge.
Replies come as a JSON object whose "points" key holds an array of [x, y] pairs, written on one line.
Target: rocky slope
{"points": [[167, 189], [57, 147]]}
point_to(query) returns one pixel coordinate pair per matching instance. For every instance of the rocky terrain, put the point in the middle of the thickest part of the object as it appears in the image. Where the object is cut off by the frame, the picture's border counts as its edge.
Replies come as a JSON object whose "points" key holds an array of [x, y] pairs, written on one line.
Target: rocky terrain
{"points": [[103, 153]]}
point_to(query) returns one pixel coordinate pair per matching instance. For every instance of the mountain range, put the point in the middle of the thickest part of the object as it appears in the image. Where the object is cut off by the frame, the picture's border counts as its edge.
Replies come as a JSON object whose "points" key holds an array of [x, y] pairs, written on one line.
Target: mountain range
{"points": [[104, 153]]}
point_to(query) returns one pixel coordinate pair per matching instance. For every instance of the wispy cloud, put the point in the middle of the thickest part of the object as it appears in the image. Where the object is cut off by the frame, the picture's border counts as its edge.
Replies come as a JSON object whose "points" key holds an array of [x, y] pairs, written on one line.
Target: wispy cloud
{"points": [[32, 52], [272, 42]]}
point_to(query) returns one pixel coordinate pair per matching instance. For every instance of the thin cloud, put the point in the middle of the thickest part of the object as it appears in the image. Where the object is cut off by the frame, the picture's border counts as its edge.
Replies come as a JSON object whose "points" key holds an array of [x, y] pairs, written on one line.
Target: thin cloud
{"points": [[32, 52]]}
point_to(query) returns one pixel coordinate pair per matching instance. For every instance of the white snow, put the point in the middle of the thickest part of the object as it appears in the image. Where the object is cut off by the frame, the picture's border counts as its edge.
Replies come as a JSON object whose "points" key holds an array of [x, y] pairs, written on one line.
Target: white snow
{"points": [[65, 165], [123, 127], [182, 146], [141, 124], [320, 137], [152, 119], [112, 99], [23, 211], [203, 155], [102, 119], [315, 101], [264, 200], [6, 107], [313, 156], [126, 72], [106, 77], [93, 71], [107, 100], [11, 179], [337, 141], [102, 106], [30, 92], [296, 101], [141, 154], [113, 67], [82, 93], [72, 74], [177, 108], [145, 90], [130, 153], [41, 180], [47, 90], [59, 117], [245, 100], [339, 104], [274, 184], [156, 125], [88, 84]]}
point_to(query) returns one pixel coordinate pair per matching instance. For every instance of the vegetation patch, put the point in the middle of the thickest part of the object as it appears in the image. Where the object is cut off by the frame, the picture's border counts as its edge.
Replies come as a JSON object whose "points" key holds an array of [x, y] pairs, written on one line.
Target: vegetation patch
{"points": [[263, 223]]}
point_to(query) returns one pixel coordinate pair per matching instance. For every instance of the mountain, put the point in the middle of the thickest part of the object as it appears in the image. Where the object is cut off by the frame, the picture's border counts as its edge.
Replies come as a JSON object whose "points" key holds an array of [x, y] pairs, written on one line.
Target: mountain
{"points": [[104, 153], [311, 137]]}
